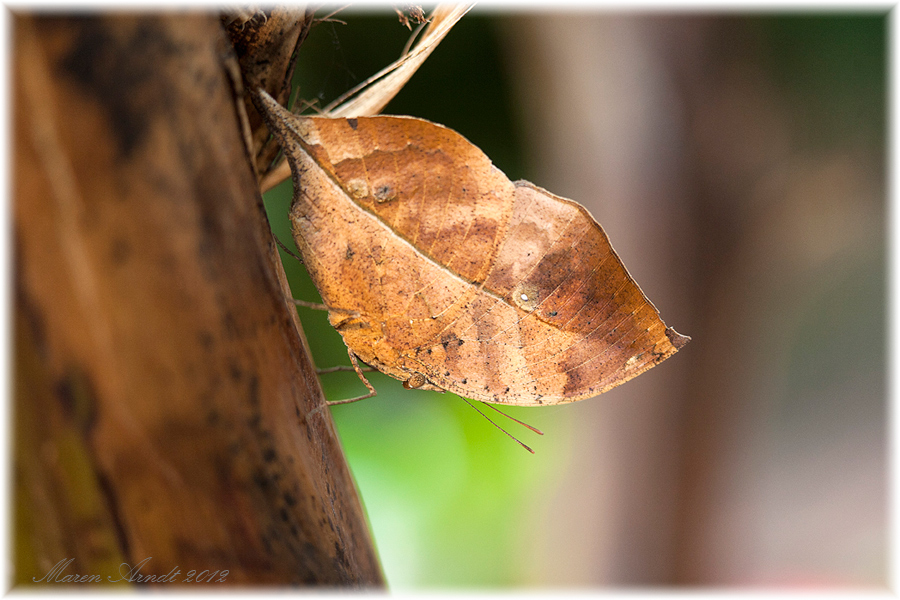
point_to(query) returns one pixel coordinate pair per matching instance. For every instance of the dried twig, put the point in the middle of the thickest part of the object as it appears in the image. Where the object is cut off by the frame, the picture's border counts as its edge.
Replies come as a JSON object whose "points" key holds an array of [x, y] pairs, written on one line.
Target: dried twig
{"points": [[373, 94]]}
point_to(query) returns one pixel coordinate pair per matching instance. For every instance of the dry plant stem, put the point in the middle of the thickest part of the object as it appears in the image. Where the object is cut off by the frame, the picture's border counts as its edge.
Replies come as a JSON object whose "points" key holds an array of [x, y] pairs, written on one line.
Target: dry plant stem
{"points": [[328, 18], [378, 90], [162, 385], [375, 92], [413, 37]]}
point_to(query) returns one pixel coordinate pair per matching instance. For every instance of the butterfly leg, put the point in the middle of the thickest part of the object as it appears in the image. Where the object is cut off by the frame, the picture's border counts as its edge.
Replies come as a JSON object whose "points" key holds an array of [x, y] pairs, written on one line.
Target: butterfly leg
{"points": [[342, 368], [362, 378], [318, 306], [313, 305], [286, 249]]}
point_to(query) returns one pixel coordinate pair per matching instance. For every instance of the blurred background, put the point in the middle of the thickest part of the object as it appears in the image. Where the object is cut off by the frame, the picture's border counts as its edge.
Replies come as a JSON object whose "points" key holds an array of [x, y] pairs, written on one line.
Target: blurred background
{"points": [[737, 164]]}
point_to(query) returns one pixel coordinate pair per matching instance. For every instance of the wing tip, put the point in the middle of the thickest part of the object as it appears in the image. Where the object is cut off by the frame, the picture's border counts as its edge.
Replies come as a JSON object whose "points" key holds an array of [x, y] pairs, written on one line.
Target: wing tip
{"points": [[676, 339]]}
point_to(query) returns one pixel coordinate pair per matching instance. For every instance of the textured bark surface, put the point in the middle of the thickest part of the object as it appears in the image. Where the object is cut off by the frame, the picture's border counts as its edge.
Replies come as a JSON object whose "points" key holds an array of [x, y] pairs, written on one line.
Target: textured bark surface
{"points": [[446, 275], [165, 405], [266, 44]]}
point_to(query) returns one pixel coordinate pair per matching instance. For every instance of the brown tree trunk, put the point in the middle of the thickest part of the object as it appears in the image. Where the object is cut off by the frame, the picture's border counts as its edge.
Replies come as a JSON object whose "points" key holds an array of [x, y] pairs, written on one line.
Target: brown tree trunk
{"points": [[166, 407]]}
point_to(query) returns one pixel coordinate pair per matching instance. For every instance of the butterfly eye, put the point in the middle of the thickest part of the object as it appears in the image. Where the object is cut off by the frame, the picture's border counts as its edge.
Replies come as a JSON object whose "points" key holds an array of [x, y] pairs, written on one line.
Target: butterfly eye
{"points": [[416, 380]]}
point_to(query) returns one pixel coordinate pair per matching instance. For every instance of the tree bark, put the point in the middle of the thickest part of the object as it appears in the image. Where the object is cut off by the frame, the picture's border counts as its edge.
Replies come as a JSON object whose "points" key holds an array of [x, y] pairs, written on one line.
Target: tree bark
{"points": [[266, 46], [166, 407]]}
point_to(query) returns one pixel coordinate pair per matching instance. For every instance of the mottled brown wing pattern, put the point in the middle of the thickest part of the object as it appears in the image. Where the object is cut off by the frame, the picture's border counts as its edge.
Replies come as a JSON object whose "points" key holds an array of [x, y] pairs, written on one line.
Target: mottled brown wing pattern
{"points": [[436, 264], [565, 322], [425, 182]]}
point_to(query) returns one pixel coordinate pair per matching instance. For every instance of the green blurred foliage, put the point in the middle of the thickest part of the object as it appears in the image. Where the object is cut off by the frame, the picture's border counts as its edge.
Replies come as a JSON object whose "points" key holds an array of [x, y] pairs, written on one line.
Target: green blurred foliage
{"points": [[833, 67]]}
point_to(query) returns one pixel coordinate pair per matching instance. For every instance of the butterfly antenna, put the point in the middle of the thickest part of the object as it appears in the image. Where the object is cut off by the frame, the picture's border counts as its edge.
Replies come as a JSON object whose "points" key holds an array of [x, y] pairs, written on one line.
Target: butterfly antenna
{"points": [[523, 424], [498, 427]]}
